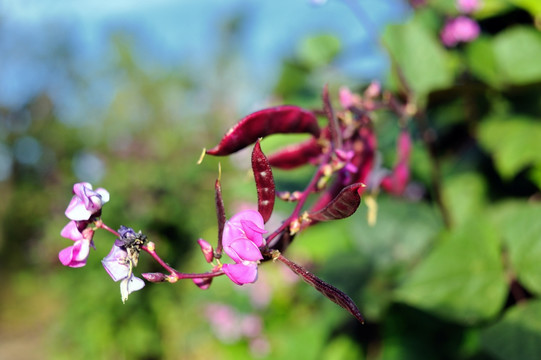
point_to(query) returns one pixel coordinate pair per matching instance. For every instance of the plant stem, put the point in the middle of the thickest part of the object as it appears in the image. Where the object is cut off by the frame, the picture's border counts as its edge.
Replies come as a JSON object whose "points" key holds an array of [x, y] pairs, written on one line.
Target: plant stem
{"points": [[177, 274]]}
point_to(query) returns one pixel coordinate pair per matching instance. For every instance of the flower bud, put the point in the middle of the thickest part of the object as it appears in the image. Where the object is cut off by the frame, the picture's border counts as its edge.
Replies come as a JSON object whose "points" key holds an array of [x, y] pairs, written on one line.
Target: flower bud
{"points": [[203, 283], [207, 250], [154, 277]]}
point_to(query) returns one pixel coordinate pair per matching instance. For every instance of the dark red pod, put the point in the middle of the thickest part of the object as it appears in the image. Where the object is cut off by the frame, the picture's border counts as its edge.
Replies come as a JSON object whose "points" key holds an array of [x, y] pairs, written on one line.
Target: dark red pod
{"points": [[220, 214], [276, 120], [264, 181], [296, 155], [342, 206], [332, 293]]}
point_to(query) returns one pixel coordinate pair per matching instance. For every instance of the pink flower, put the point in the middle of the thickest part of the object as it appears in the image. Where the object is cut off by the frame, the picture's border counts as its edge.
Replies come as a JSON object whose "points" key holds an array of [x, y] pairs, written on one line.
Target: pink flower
{"points": [[459, 29], [242, 237], [76, 255], [467, 6], [86, 202]]}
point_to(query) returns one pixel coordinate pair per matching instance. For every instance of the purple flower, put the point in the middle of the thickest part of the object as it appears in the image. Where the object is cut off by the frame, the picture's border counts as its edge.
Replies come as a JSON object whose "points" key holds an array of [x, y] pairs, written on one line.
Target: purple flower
{"points": [[459, 29], [86, 202], [76, 255], [242, 237], [119, 265]]}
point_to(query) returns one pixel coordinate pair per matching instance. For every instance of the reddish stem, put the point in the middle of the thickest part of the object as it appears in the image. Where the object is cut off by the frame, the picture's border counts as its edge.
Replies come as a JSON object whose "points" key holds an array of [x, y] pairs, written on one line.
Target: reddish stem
{"points": [[101, 225], [179, 275]]}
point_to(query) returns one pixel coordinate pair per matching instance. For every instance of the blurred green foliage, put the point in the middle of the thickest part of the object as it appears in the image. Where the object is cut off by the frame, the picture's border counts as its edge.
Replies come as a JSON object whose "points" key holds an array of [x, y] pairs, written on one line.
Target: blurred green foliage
{"points": [[432, 285]]}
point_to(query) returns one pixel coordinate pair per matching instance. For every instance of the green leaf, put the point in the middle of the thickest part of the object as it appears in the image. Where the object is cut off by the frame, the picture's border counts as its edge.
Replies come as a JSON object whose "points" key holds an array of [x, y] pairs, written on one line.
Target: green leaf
{"points": [[492, 8], [482, 61], [517, 335], [444, 6], [401, 236], [513, 142], [533, 6], [342, 348], [463, 278], [518, 52], [421, 57], [464, 195], [521, 229], [535, 175]]}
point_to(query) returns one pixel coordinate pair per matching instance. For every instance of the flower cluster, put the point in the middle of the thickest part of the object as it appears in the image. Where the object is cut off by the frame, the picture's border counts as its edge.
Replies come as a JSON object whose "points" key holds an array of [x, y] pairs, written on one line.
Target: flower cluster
{"points": [[461, 29], [83, 209], [345, 155]]}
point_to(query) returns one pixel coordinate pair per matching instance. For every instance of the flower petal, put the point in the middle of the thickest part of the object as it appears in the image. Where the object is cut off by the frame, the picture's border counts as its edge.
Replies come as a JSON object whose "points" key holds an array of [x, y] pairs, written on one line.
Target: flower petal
{"points": [[104, 194], [250, 215], [231, 233], [253, 232], [79, 188], [245, 249], [76, 255], [115, 263], [76, 210], [241, 274], [135, 284], [81, 249], [127, 286], [71, 231], [65, 255]]}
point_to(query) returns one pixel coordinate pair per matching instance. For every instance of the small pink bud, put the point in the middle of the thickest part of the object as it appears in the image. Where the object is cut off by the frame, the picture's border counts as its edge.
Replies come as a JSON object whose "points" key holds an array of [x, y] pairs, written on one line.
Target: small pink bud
{"points": [[207, 250], [203, 283], [154, 277]]}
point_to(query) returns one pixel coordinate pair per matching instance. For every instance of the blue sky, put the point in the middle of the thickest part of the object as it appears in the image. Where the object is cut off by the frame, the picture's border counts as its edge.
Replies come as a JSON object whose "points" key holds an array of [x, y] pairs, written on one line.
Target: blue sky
{"points": [[172, 33], [64, 48]]}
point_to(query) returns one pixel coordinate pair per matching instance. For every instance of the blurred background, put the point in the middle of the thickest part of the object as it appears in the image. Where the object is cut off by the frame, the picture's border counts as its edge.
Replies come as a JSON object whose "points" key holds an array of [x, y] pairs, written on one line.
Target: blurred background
{"points": [[126, 94]]}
